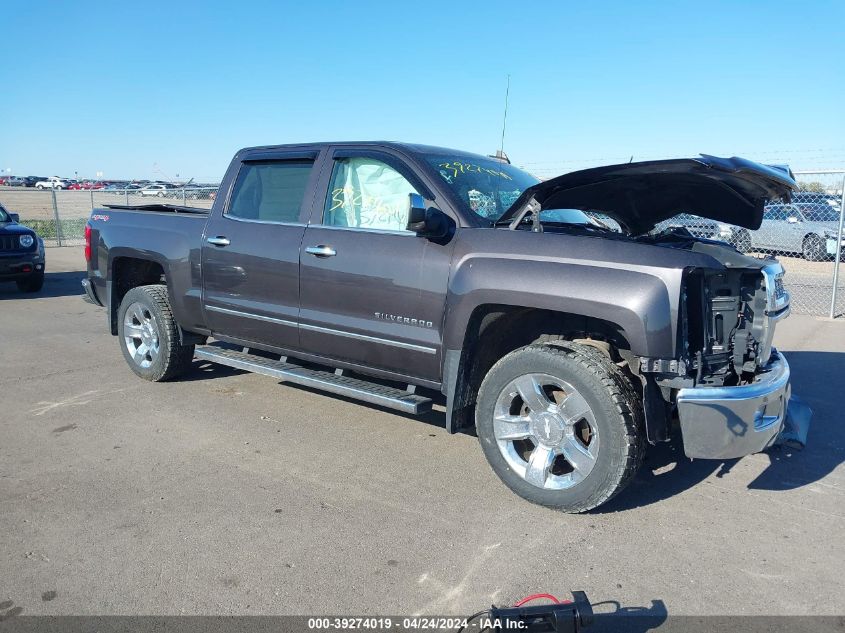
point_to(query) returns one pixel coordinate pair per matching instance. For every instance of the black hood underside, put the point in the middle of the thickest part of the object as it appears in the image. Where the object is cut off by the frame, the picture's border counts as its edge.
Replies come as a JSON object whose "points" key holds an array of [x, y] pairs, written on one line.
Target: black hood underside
{"points": [[640, 195]]}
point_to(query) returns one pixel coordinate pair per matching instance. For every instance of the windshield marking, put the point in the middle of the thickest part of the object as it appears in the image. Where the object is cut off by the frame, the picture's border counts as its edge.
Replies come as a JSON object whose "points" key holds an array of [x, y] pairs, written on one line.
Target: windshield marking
{"points": [[457, 167]]}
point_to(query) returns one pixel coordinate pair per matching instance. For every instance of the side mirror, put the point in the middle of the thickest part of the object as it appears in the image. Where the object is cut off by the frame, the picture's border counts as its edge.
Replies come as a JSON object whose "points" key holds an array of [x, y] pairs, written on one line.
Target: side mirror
{"points": [[15, 217], [792, 219], [425, 221]]}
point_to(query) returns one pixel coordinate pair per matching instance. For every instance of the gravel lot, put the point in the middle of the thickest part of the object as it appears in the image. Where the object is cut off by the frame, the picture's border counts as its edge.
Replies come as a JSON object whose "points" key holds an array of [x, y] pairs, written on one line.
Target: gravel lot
{"points": [[228, 493]]}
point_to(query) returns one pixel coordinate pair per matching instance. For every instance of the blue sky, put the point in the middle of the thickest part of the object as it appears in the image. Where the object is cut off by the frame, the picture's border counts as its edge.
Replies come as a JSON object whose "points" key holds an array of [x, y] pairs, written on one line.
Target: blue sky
{"points": [[160, 89]]}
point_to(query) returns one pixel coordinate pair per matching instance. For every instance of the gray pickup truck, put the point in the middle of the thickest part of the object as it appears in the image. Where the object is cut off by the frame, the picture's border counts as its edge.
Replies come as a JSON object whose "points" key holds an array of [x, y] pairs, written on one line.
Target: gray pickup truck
{"points": [[386, 271]]}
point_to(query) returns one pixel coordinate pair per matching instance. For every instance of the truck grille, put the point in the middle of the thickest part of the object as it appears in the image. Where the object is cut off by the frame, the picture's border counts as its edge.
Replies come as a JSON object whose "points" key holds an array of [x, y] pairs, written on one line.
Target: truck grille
{"points": [[9, 243]]}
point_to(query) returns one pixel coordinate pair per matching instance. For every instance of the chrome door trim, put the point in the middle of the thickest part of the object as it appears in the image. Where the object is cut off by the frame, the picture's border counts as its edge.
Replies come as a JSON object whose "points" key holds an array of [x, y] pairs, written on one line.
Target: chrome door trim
{"points": [[250, 315], [325, 330], [358, 229], [374, 339]]}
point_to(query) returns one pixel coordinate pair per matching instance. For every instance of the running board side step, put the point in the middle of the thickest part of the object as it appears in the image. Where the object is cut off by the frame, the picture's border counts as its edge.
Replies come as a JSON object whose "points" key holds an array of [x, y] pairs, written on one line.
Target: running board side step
{"points": [[326, 380]]}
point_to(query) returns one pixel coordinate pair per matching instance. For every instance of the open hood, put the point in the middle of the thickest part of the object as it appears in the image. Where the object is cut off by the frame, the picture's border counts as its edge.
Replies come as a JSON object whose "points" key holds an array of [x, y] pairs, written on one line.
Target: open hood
{"points": [[640, 195]]}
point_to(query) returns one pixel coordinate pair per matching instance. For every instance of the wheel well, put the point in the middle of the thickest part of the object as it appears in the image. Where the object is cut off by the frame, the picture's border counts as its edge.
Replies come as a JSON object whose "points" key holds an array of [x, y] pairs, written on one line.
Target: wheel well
{"points": [[496, 330], [128, 273]]}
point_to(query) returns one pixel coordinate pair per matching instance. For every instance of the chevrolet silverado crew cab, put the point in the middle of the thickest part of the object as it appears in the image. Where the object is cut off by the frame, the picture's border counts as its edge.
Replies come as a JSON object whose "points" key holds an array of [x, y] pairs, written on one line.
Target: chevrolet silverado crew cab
{"points": [[381, 270]]}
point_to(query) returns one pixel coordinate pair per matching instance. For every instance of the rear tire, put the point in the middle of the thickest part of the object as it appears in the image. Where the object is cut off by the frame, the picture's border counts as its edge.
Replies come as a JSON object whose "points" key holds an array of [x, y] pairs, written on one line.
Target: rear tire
{"points": [[575, 439], [149, 335], [813, 248], [33, 283]]}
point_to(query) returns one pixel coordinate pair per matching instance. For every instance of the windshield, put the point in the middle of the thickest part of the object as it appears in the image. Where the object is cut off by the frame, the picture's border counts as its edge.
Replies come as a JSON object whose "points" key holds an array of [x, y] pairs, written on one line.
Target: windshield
{"points": [[4, 216], [820, 213], [484, 186], [487, 187]]}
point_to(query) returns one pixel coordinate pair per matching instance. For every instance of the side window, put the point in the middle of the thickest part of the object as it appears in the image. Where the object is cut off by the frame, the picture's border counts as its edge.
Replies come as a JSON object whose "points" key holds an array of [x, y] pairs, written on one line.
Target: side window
{"points": [[270, 191], [367, 194]]}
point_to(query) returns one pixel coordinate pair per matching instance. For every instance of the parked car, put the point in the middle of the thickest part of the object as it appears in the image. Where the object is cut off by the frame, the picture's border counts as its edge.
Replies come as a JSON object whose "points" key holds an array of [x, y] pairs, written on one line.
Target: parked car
{"points": [[13, 181], [421, 267], [698, 227], [807, 228], [195, 192], [54, 182], [810, 197], [22, 257], [31, 181], [87, 185], [158, 189]]}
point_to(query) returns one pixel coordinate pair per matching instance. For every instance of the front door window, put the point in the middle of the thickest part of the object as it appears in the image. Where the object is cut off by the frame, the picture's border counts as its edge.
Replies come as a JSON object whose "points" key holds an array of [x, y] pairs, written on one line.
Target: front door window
{"points": [[365, 193]]}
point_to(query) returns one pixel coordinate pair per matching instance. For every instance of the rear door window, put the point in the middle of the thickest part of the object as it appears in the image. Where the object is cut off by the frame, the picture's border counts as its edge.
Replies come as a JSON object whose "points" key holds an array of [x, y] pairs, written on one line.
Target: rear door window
{"points": [[270, 191]]}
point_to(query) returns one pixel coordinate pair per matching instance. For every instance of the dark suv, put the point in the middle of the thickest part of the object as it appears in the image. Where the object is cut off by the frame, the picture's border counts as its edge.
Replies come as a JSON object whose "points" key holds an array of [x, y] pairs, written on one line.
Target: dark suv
{"points": [[21, 253]]}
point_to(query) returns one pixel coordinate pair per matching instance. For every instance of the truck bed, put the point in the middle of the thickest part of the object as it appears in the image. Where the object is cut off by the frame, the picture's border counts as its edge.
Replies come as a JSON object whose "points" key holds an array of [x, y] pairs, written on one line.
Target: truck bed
{"points": [[160, 207]]}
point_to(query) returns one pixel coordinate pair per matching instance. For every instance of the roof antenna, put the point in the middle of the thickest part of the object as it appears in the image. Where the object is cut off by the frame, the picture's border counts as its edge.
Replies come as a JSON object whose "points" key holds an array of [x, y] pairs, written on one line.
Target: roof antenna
{"points": [[505, 118], [631, 160]]}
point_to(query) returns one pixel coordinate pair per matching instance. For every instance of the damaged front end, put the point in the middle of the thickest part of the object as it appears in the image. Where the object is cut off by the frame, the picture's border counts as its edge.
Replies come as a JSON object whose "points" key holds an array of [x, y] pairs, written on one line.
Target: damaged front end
{"points": [[728, 384], [731, 387]]}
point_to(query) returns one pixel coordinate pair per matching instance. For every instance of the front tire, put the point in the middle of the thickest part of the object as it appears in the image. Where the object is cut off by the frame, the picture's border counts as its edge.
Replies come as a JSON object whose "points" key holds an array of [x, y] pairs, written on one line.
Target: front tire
{"points": [[149, 335], [813, 248], [561, 426]]}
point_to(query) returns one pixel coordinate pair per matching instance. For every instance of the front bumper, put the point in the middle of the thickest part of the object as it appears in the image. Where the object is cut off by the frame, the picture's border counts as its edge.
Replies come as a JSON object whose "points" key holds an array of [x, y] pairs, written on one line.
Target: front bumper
{"points": [[730, 422], [20, 266]]}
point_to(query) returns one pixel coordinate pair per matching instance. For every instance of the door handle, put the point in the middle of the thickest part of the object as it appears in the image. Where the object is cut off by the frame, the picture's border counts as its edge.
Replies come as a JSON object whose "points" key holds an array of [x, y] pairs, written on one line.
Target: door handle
{"points": [[219, 240], [321, 251]]}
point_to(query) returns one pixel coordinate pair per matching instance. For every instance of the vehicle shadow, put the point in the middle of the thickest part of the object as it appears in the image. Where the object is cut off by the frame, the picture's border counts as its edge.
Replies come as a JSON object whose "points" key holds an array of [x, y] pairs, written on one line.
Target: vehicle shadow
{"points": [[64, 284], [205, 370], [434, 418], [667, 471], [817, 378]]}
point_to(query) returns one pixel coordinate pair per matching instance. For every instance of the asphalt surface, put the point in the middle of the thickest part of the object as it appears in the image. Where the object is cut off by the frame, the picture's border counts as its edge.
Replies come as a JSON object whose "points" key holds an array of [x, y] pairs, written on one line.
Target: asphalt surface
{"points": [[229, 493]]}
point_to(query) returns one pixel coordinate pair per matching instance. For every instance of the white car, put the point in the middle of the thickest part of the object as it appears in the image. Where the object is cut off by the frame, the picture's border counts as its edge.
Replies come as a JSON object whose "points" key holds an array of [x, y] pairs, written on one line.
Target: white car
{"points": [[157, 189], [53, 182]]}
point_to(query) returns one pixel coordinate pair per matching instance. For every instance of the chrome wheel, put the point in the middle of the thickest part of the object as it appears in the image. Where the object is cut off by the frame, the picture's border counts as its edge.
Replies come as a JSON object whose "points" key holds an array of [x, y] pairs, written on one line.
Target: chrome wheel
{"points": [[546, 431], [141, 334]]}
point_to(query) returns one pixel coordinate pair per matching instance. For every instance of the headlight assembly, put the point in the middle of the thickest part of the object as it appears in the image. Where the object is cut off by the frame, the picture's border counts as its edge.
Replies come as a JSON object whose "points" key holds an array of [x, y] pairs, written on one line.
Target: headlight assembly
{"points": [[26, 241]]}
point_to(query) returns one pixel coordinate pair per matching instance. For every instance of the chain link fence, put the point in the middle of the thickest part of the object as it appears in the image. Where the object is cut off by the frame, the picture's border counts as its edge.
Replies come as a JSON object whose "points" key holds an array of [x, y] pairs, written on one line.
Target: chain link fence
{"points": [[806, 235], [59, 215]]}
